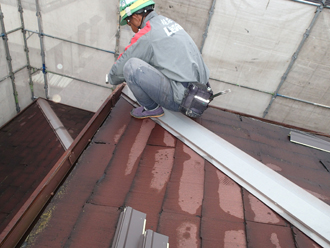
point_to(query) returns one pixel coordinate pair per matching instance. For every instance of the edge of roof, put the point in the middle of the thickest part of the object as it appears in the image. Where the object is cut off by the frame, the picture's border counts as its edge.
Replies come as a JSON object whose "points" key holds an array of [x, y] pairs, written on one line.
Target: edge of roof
{"points": [[21, 222]]}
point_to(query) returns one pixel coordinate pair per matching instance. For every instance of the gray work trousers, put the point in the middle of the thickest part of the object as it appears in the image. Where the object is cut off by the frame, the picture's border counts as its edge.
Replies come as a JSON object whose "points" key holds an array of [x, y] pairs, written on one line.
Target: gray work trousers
{"points": [[149, 86]]}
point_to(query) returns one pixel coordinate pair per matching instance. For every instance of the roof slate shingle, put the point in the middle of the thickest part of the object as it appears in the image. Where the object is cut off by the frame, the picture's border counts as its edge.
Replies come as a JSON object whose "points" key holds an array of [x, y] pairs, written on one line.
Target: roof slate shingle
{"points": [[28, 150], [137, 163]]}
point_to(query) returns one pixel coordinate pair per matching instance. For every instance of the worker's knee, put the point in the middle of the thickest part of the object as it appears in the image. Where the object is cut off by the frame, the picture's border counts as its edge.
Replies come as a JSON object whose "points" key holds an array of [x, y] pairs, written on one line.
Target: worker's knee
{"points": [[131, 67]]}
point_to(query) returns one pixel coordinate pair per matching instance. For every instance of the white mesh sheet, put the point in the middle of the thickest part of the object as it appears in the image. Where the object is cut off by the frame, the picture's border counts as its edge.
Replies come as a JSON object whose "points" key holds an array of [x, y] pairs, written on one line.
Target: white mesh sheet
{"points": [[33, 43], [309, 81], [78, 61], [191, 15], [71, 92], [247, 99], [29, 14], [23, 88], [251, 42], [91, 23], [300, 114], [16, 49], [310, 75], [11, 16], [3, 61], [7, 102]]}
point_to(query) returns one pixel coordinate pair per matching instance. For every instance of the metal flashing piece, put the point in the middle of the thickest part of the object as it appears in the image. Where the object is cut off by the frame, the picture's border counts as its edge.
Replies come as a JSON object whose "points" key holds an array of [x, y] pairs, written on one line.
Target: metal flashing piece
{"points": [[130, 229], [61, 132], [310, 141], [131, 232], [155, 240], [299, 207]]}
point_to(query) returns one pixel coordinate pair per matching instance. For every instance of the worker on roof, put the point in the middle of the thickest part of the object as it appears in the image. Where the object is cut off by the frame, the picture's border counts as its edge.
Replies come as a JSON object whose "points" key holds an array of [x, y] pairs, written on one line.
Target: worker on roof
{"points": [[159, 61]]}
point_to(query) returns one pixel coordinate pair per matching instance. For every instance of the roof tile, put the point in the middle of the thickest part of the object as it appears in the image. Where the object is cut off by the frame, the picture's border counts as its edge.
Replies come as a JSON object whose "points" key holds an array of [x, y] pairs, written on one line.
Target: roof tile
{"points": [[186, 185], [72, 196], [265, 235], [183, 230], [256, 211], [150, 183], [137, 163], [216, 233], [160, 137], [95, 227], [222, 197], [302, 240]]}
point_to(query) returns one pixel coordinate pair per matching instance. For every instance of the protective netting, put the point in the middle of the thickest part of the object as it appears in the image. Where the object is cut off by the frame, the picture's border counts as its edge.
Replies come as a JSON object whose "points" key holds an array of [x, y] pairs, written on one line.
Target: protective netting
{"points": [[250, 43], [91, 28], [308, 80], [248, 48]]}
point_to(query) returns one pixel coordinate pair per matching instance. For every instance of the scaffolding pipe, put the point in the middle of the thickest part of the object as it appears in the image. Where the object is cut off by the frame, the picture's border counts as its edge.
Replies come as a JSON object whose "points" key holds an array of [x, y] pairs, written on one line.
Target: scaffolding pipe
{"points": [[306, 2], [8, 76], [310, 3], [69, 41], [26, 49], [208, 25], [304, 101], [242, 86], [9, 59], [12, 31], [81, 80], [42, 48], [270, 93], [294, 57], [117, 35]]}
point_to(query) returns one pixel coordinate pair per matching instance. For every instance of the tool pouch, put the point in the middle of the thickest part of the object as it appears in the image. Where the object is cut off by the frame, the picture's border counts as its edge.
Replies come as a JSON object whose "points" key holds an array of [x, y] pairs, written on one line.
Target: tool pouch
{"points": [[196, 99]]}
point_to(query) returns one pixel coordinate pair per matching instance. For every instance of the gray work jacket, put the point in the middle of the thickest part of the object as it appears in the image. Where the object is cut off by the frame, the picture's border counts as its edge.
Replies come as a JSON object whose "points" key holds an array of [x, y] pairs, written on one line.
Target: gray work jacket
{"points": [[165, 45]]}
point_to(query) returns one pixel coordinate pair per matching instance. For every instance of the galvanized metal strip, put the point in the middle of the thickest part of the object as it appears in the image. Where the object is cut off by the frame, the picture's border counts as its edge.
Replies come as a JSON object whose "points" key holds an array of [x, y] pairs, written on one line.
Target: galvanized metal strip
{"points": [[154, 240], [61, 132], [310, 141], [130, 229], [302, 209]]}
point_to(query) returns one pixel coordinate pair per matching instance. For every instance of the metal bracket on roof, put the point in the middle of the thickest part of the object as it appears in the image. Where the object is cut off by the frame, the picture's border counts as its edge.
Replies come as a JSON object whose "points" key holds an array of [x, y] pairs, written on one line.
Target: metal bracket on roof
{"points": [[310, 141], [299, 207], [131, 232]]}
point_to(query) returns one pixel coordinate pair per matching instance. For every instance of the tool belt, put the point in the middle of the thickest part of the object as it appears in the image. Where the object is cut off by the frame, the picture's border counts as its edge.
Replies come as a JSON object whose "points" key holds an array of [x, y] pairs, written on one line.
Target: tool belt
{"points": [[196, 99]]}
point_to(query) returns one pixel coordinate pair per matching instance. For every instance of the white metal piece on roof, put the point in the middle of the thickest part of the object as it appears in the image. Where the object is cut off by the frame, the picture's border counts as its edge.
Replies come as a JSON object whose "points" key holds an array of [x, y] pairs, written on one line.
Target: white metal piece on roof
{"points": [[310, 141], [61, 132], [154, 240], [130, 229], [299, 207], [130, 232]]}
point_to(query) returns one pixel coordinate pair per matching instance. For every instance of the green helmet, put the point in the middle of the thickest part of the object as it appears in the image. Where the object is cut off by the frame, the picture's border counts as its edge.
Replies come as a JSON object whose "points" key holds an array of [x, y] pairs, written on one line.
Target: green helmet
{"points": [[129, 7]]}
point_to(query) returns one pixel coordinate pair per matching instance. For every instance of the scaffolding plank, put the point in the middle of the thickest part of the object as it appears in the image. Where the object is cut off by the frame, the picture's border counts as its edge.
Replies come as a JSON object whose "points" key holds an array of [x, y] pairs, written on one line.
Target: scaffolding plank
{"points": [[299, 207]]}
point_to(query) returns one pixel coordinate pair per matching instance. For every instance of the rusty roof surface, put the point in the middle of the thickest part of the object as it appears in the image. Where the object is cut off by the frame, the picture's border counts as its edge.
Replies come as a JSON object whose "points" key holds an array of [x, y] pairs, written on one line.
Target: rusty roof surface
{"points": [[28, 150], [137, 163]]}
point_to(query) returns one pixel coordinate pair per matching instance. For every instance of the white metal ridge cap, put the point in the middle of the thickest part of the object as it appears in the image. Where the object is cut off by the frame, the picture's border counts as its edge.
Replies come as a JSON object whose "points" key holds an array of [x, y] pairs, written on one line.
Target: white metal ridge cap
{"points": [[305, 211]]}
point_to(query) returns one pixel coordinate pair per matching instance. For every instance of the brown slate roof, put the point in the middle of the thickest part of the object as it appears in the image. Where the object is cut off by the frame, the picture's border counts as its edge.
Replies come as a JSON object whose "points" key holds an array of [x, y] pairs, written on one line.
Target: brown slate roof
{"points": [[28, 150], [137, 163]]}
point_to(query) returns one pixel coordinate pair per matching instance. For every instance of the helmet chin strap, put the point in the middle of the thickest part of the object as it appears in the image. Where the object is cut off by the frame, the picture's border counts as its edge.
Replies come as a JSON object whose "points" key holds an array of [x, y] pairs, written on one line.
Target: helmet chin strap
{"points": [[143, 16]]}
